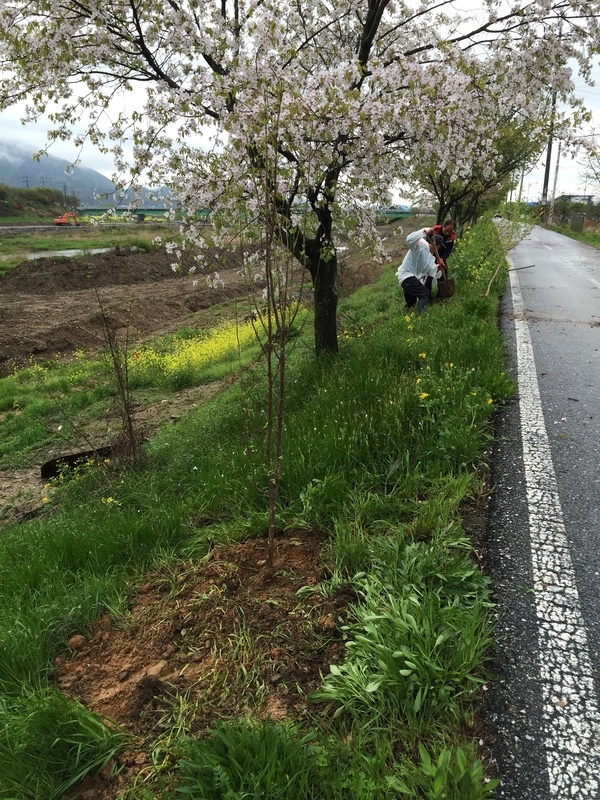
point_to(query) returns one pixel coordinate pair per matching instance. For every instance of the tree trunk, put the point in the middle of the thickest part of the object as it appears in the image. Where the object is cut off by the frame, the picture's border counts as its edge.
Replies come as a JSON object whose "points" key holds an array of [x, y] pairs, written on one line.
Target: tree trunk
{"points": [[324, 276], [319, 256], [441, 215]]}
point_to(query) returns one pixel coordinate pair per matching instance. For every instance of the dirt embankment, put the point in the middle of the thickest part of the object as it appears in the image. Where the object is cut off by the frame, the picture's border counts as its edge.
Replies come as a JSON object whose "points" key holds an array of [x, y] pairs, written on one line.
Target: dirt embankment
{"points": [[53, 306]]}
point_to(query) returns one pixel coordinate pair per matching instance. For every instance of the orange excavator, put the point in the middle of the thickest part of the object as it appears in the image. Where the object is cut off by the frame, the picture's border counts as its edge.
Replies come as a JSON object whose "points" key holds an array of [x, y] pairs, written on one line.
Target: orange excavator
{"points": [[68, 218]]}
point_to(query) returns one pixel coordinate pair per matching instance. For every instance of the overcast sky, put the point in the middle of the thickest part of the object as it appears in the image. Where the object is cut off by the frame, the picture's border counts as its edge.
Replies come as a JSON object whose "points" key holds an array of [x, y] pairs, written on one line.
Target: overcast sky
{"points": [[33, 137]]}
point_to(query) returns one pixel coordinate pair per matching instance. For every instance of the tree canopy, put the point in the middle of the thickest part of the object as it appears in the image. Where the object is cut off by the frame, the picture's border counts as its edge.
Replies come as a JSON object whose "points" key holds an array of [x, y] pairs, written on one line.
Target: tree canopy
{"points": [[517, 146], [361, 90]]}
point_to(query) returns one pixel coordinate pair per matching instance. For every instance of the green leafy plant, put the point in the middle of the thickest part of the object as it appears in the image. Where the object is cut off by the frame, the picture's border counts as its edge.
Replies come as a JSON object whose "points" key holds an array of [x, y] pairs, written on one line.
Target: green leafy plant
{"points": [[446, 778], [49, 744], [417, 645], [245, 760]]}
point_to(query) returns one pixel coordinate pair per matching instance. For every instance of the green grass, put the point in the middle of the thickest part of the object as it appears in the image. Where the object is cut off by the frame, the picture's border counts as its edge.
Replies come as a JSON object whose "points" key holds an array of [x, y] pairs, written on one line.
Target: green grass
{"points": [[52, 404], [76, 239], [591, 237], [382, 446], [17, 247]]}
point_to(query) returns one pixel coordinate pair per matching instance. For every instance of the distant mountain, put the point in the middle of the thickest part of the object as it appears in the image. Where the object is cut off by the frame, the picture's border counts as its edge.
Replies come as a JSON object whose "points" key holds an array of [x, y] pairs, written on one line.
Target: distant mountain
{"points": [[94, 190]]}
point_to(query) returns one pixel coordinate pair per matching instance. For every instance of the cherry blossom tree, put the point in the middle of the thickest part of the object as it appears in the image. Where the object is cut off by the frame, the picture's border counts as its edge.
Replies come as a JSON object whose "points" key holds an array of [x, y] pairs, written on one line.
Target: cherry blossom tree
{"points": [[350, 79], [513, 121], [590, 161], [517, 146]]}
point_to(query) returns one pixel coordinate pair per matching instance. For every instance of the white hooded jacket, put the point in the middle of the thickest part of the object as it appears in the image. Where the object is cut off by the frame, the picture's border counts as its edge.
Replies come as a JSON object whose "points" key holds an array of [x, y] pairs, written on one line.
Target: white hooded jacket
{"points": [[418, 262]]}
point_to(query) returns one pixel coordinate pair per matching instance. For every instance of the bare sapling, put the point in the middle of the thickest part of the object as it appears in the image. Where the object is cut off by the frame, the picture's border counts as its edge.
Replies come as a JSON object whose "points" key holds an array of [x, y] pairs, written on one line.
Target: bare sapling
{"points": [[274, 321], [118, 354]]}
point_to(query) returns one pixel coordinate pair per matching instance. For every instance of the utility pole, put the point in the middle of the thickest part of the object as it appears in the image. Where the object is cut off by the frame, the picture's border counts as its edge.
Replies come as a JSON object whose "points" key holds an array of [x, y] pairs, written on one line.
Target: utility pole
{"points": [[26, 181], [551, 215], [544, 210], [521, 186]]}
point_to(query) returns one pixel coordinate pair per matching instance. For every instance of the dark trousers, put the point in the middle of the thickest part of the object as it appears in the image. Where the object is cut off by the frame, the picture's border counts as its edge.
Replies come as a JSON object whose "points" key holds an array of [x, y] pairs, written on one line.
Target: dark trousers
{"points": [[415, 293]]}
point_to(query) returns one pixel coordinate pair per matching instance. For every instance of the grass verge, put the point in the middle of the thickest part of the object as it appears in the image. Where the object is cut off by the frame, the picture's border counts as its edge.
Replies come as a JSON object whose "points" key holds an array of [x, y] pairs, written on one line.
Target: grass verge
{"points": [[591, 237], [383, 446]]}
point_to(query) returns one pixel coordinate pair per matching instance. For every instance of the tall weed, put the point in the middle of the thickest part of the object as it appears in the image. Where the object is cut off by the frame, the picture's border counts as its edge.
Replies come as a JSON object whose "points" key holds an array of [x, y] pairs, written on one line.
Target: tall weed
{"points": [[251, 761], [449, 777]]}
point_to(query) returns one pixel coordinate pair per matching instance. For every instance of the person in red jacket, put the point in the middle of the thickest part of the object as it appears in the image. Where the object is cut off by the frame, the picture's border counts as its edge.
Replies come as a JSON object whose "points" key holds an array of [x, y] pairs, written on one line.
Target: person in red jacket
{"points": [[443, 236], [446, 231]]}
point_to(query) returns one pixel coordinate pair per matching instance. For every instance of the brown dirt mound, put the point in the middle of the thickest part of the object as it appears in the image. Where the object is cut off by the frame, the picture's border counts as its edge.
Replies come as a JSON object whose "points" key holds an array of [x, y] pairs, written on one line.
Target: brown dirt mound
{"points": [[118, 267], [50, 276], [50, 308], [226, 634]]}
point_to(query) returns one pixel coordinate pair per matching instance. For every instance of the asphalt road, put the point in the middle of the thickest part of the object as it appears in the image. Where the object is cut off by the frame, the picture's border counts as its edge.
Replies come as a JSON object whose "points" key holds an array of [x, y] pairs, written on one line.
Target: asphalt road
{"points": [[544, 529]]}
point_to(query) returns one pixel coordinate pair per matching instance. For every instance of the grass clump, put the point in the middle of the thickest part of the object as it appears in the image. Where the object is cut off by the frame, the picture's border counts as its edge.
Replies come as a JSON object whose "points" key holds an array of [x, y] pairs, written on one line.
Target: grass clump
{"points": [[244, 759], [49, 744], [382, 447]]}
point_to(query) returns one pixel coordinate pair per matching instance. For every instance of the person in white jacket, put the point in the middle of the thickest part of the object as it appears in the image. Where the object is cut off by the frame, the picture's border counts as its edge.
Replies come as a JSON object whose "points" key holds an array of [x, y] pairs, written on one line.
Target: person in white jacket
{"points": [[418, 265]]}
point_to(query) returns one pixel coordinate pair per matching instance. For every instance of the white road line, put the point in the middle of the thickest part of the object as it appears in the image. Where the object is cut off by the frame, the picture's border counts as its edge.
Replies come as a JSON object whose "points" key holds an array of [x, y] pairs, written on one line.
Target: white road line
{"points": [[571, 718], [595, 282]]}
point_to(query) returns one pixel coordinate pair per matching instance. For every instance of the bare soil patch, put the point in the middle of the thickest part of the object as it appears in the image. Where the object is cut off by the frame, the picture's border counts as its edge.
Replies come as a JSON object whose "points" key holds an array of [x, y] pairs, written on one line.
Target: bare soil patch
{"points": [[49, 307], [228, 635]]}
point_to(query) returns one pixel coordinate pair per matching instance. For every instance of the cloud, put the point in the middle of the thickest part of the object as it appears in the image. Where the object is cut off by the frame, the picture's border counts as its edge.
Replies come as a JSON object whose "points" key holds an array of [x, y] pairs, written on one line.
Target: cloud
{"points": [[31, 138], [10, 153]]}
